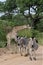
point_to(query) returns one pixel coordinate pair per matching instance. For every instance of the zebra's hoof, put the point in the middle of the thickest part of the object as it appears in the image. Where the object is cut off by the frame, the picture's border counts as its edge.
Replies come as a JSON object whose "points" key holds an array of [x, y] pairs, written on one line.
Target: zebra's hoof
{"points": [[34, 58], [30, 58], [26, 55]]}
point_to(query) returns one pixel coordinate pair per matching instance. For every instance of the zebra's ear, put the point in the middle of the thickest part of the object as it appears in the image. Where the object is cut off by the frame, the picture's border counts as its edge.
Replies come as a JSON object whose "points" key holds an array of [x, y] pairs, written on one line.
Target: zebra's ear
{"points": [[36, 41], [17, 36]]}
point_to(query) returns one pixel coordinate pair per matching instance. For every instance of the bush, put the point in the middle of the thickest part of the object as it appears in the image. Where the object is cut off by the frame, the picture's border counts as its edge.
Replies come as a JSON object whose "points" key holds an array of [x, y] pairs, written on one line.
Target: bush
{"points": [[35, 33], [25, 33], [40, 25], [2, 44], [6, 26], [2, 35], [29, 33]]}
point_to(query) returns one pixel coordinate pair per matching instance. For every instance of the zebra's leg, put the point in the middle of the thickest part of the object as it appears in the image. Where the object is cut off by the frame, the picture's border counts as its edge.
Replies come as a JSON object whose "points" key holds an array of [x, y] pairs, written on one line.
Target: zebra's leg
{"points": [[24, 50], [30, 53], [27, 51], [34, 55], [21, 51]]}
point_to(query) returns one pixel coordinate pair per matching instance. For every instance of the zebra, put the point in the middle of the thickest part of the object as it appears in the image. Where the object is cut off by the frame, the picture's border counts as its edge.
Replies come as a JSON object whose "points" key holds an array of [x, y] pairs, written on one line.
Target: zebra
{"points": [[30, 45], [22, 43], [33, 46]]}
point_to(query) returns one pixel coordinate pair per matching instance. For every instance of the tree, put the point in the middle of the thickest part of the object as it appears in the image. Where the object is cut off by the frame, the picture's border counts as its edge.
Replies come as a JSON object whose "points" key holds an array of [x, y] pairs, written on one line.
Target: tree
{"points": [[36, 5], [9, 6], [1, 6]]}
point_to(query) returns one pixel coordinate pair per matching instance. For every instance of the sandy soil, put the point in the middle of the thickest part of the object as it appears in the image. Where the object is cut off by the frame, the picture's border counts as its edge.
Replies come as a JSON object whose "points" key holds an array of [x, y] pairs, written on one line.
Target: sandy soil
{"points": [[16, 59]]}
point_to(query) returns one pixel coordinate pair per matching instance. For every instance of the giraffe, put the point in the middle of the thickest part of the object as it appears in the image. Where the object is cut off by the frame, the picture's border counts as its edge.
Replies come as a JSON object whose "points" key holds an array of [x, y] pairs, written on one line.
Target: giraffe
{"points": [[13, 33]]}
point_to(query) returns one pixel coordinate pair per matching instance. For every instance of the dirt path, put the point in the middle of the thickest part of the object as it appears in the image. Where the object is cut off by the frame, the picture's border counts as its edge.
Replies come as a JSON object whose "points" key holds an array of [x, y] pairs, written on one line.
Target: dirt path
{"points": [[16, 59]]}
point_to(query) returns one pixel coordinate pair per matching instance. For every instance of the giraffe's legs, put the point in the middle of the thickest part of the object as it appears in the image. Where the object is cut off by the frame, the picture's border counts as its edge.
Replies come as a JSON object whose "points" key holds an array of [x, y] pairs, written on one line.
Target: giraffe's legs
{"points": [[8, 43]]}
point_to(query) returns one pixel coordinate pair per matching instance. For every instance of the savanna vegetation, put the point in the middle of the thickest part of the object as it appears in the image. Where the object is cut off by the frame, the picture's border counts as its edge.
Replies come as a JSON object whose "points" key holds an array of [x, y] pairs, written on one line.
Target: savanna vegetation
{"points": [[14, 15]]}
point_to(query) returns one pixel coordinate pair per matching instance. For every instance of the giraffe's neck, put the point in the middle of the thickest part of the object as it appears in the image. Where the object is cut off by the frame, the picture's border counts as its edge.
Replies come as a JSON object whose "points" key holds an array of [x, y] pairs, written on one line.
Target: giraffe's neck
{"points": [[19, 28]]}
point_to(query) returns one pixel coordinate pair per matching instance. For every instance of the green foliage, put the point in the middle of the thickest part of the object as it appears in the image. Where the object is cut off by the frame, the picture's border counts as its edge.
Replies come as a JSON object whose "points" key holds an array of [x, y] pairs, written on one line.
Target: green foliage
{"points": [[6, 26], [2, 44], [1, 6], [40, 25], [2, 38], [36, 5], [8, 21], [25, 33], [26, 5], [6, 17], [15, 20], [10, 5], [29, 33], [2, 35]]}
